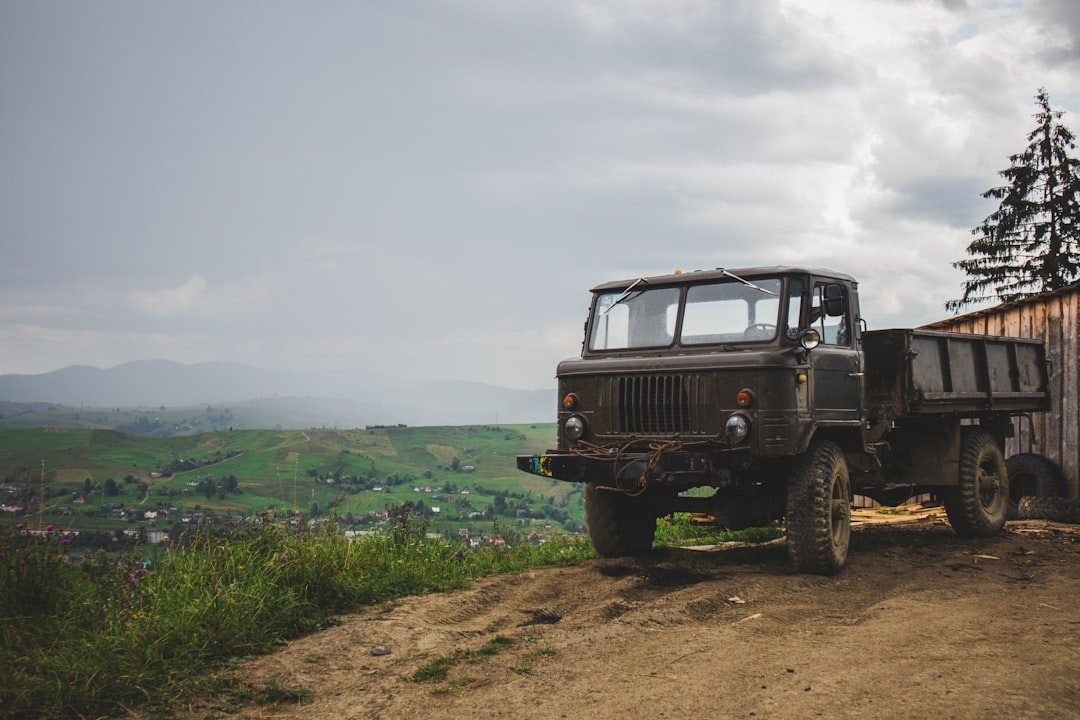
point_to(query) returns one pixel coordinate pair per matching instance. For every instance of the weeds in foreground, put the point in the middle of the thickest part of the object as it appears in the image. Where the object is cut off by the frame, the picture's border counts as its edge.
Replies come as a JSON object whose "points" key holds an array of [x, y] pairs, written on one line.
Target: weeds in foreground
{"points": [[92, 635], [232, 696], [536, 653], [438, 669]]}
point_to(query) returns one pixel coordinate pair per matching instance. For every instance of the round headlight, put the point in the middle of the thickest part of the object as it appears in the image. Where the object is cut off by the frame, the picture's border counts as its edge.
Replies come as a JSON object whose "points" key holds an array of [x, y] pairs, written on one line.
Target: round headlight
{"points": [[737, 428], [810, 338], [574, 427]]}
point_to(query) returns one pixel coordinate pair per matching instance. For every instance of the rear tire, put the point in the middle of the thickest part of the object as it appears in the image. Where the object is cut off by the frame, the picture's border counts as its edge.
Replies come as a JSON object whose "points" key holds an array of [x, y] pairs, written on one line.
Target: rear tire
{"points": [[618, 524], [819, 511], [976, 507], [1032, 475]]}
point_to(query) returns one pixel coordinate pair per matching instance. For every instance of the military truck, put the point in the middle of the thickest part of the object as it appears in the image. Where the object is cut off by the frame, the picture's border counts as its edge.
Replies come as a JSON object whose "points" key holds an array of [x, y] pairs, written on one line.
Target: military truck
{"points": [[765, 385]]}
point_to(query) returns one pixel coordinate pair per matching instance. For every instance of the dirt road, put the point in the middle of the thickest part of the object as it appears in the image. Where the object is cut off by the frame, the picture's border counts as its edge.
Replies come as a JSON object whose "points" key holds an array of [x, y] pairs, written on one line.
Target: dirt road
{"points": [[920, 624]]}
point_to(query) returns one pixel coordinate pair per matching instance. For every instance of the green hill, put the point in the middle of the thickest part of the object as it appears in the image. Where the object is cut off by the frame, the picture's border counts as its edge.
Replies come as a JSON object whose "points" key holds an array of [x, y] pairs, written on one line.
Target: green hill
{"points": [[459, 477], [161, 421]]}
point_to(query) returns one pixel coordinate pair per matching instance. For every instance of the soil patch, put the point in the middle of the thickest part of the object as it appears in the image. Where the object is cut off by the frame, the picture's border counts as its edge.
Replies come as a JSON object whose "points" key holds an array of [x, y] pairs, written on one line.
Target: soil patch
{"points": [[920, 623]]}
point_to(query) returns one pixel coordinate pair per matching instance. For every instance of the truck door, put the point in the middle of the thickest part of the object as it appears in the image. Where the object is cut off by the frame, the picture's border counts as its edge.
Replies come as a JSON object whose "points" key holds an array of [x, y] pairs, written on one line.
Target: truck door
{"points": [[836, 364]]}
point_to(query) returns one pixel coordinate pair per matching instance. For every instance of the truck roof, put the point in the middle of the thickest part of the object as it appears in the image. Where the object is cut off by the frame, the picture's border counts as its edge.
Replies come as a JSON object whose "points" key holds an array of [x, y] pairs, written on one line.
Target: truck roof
{"points": [[695, 276]]}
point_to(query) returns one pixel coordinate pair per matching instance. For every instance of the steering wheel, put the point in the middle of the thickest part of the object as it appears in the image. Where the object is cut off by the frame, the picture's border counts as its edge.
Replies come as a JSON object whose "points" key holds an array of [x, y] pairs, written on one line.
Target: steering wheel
{"points": [[760, 331]]}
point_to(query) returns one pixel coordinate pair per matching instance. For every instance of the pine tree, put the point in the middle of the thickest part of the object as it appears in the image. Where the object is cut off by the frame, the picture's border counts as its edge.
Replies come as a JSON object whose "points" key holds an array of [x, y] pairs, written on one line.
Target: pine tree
{"points": [[1031, 243]]}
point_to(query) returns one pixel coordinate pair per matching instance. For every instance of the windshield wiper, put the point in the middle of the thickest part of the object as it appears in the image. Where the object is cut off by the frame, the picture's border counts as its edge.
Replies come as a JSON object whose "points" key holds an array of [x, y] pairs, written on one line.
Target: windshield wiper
{"points": [[625, 294], [747, 283]]}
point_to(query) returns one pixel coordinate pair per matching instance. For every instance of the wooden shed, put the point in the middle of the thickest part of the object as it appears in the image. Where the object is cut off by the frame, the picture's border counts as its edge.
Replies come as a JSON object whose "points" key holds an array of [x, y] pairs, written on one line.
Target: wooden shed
{"points": [[1054, 317]]}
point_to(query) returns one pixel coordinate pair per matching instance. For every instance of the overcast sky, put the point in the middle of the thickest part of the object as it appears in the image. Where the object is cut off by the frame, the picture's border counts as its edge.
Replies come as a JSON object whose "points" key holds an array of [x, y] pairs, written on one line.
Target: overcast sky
{"points": [[416, 189]]}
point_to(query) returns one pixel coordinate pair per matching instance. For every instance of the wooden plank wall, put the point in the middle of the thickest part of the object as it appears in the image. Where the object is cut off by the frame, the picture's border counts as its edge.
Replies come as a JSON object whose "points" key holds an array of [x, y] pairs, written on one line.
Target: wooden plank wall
{"points": [[1055, 318]]}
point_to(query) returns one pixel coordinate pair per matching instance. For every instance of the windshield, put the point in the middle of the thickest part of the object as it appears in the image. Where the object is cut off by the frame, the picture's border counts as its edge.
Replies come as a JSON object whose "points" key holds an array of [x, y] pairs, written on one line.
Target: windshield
{"points": [[724, 312]]}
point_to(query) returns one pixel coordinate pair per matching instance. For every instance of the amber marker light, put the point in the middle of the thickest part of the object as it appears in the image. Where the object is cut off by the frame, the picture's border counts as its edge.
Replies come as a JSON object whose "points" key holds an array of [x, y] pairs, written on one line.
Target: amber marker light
{"points": [[569, 401], [745, 398]]}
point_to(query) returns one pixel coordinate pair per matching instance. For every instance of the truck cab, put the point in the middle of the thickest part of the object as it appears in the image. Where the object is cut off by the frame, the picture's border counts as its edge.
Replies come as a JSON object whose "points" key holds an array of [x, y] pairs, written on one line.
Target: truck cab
{"points": [[749, 361]]}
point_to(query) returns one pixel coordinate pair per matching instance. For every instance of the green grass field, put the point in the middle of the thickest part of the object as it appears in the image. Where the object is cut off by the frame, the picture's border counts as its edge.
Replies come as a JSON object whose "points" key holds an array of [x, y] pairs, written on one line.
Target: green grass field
{"points": [[273, 413], [46, 472]]}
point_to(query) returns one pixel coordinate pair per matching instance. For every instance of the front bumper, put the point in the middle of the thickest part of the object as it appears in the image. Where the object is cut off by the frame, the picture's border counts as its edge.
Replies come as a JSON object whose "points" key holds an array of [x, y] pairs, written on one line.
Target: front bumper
{"points": [[630, 469]]}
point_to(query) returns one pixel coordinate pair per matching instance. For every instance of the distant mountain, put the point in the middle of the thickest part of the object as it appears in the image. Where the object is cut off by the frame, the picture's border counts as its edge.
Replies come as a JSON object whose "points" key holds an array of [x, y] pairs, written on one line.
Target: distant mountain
{"points": [[343, 402], [153, 382]]}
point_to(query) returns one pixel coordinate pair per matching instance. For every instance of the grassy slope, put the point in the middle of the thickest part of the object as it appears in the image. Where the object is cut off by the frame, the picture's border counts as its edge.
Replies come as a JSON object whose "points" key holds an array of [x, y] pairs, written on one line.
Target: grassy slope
{"points": [[275, 467], [187, 420]]}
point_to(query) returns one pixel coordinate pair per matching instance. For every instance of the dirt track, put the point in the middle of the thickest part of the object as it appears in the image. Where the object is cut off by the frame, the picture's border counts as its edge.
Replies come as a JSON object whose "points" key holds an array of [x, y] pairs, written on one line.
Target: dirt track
{"points": [[920, 624]]}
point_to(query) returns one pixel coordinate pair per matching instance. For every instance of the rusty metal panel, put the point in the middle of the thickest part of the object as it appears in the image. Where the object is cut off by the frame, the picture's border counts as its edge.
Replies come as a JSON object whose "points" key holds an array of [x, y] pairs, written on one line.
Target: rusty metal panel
{"points": [[921, 372]]}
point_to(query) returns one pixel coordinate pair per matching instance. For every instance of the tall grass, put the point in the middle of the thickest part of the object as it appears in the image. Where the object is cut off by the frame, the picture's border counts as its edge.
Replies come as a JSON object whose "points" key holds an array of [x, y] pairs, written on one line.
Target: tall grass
{"points": [[104, 633]]}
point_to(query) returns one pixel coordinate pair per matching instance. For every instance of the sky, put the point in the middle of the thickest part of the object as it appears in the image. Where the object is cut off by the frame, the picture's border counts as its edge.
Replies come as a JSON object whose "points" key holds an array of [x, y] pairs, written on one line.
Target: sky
{"points": [[427, 189]]}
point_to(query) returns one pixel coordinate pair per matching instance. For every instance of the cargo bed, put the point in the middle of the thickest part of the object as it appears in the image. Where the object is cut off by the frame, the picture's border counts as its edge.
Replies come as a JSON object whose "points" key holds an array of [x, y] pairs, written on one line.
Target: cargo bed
{"points": [[919, 372]]}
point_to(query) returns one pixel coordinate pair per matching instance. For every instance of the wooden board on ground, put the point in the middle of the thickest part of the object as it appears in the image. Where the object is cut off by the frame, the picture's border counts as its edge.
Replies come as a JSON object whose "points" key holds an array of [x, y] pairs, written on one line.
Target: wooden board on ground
{"points": [[892, 515]]}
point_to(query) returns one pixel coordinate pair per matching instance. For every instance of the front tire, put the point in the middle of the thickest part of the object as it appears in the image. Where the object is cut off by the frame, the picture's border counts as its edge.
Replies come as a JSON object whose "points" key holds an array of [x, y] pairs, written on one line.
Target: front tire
{"points": [[819, 510], [977, 506], [619, 524]]}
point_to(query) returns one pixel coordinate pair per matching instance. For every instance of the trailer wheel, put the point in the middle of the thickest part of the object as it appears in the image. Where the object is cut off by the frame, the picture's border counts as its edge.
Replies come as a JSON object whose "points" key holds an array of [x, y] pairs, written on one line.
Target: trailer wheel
{"points": [[1031, 474], [819, 510], [619, 524], [976, 507]]}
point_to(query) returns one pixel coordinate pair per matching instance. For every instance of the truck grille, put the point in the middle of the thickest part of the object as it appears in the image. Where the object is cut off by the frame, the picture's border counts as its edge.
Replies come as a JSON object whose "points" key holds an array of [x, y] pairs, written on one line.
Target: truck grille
{"points": [[655, 404]]}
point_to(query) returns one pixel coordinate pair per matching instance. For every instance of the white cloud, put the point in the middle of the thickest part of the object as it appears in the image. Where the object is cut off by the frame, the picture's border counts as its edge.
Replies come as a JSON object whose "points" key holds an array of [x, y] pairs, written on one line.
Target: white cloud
{"points": [[17, 312], [179, 300], [430, 190]]}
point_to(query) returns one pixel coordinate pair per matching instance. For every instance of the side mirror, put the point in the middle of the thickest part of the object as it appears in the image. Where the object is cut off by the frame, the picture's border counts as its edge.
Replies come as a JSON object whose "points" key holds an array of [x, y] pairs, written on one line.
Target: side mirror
{"points": [[833, 301]]}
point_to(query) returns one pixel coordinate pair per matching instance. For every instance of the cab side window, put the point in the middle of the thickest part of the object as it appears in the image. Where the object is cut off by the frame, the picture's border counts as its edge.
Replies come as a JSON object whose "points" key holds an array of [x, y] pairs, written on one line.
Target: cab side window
{"points": [[794, 312], [829, 314]]}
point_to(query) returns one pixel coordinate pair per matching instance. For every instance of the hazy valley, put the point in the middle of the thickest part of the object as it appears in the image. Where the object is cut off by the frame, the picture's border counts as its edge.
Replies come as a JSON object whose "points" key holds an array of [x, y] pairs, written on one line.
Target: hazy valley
{"points": [[161, 398]]}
